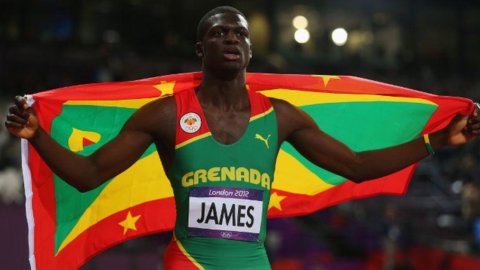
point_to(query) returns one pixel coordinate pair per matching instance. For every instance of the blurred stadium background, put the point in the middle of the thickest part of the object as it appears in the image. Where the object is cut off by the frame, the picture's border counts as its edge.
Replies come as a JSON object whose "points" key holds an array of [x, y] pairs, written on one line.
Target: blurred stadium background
{"points": [[429, 45]]}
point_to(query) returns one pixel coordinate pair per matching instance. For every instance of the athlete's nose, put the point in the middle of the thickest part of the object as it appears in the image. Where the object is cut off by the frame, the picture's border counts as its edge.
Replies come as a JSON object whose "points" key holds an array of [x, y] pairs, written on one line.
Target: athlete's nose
{"points": [[231, 37]]}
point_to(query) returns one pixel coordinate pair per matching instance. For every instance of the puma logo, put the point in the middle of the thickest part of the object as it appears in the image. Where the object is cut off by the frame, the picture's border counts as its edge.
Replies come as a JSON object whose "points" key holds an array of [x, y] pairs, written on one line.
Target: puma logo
{"points": [[261, 138]]}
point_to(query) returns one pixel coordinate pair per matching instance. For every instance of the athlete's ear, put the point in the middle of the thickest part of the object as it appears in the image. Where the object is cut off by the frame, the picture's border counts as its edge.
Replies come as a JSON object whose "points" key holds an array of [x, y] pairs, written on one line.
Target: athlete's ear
{"points": [[199, 49]]}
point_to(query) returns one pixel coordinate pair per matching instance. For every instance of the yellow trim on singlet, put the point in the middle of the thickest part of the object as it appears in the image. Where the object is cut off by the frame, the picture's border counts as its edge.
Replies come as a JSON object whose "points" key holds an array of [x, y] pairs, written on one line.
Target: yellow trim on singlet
{"points": [[194, 139], [253, 118], [184, 251]]}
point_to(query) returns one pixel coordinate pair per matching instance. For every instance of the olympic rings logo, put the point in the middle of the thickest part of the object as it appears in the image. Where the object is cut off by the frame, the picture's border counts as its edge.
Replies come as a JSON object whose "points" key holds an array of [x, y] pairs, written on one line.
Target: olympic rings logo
{"points": [[226, 234]]}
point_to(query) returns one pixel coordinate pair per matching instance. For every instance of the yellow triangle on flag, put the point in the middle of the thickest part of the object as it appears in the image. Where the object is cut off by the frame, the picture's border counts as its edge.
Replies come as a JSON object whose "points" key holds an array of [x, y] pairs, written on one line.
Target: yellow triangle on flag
{"points": [[124, 192], [80, 138]]}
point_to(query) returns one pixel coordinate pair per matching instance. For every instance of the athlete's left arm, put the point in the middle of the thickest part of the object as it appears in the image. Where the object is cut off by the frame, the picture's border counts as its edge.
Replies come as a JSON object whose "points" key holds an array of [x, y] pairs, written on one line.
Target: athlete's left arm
{"points": [[299, 129]]}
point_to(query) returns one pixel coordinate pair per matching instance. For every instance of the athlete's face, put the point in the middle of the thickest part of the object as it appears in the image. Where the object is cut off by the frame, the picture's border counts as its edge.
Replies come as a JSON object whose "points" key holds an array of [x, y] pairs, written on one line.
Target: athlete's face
{"points": [[225, 46]]}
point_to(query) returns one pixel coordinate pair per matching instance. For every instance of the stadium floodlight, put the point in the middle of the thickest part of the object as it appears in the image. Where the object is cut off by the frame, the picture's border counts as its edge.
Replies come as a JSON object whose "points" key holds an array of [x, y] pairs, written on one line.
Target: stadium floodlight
{"points": [[302, 36], [300, 22], [339, 36]]}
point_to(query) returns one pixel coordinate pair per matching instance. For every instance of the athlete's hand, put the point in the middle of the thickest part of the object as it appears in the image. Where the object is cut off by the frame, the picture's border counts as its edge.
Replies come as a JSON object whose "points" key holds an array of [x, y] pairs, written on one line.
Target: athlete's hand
{"points": [[21, 119], [464, 128]]}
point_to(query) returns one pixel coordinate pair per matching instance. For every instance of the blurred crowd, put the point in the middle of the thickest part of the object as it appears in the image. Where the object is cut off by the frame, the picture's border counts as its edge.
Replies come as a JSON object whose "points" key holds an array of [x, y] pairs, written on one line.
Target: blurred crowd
{"points": [[438, 217]]}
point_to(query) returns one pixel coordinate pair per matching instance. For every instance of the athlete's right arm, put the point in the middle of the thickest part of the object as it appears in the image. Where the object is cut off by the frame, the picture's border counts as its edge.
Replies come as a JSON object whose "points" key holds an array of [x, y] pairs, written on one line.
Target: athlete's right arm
{"points": [[85, 172]]}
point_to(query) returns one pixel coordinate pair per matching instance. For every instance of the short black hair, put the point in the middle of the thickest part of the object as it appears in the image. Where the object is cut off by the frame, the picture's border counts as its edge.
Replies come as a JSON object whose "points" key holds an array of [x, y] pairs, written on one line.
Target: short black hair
{"points": [[213, 12]]}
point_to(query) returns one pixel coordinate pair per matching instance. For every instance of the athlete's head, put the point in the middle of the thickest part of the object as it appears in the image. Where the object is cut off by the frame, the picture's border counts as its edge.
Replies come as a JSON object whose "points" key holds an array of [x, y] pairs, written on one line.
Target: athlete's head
{"points": [[223, 42], [218, 10]]}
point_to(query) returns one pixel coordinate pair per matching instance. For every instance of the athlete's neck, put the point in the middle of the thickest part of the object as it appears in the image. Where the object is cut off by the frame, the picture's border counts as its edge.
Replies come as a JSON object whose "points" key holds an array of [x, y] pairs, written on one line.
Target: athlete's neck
{"points": [[224, 94]]}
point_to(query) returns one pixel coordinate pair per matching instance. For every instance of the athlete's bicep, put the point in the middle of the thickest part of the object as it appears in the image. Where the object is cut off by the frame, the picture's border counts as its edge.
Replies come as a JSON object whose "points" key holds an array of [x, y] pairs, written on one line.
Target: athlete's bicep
{"points": [[147, 125], [301, 131], [123, 150]]}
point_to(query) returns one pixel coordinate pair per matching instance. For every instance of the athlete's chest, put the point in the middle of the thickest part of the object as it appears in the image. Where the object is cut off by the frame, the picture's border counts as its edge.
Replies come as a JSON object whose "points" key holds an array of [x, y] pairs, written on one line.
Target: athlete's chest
{"points": [[227, 127]]}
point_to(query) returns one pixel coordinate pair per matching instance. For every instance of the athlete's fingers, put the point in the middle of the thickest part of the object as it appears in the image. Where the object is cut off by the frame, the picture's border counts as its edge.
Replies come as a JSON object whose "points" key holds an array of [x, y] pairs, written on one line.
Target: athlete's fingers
{"points": [[10, 124], [16, 119], [473, 122], [18, 111], [21, 102], [473, 128], [14, 109]]}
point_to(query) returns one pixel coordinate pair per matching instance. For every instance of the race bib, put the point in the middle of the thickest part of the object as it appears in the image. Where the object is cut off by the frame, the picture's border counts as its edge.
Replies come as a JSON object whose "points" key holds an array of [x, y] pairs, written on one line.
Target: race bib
{"points": [[231, 213]]}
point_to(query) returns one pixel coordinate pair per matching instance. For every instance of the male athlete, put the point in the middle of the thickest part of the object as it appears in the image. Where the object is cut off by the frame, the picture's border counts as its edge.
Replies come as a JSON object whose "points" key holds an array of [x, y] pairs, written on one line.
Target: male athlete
{"points": [[222, 179]]}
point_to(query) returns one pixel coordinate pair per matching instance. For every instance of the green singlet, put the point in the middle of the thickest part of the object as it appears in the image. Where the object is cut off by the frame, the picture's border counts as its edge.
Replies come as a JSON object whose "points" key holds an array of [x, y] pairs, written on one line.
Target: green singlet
{"points": [[221, 191]]}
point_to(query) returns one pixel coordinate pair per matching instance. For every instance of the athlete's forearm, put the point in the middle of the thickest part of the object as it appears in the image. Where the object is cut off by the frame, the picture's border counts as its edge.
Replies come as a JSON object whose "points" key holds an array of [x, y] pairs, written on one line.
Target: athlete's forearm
{"points": [[78, 171], [377, 163]]}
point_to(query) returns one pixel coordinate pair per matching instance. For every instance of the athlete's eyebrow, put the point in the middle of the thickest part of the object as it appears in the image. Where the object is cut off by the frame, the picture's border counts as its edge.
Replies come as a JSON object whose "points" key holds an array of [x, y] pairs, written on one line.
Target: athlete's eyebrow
{"points": [[228, 26]]}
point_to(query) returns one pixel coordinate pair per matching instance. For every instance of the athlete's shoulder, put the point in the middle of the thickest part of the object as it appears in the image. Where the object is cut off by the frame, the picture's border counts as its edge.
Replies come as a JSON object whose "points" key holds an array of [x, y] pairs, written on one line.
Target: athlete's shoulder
{"points": [[161, 102], [289, 118], [156, 115], [282, 106], [160, 107]]}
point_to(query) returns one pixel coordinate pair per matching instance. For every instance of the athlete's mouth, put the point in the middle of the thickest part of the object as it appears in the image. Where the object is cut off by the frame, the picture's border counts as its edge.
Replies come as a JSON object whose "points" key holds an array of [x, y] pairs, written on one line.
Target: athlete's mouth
{"points": [[231, 54]]}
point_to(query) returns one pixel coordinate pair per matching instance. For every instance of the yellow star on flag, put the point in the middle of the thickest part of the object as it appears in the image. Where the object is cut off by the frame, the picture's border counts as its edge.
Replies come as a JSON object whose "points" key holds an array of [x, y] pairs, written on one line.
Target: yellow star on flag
{"points": [[275, 201], [129, 222], [326, 78], [166, 88]]}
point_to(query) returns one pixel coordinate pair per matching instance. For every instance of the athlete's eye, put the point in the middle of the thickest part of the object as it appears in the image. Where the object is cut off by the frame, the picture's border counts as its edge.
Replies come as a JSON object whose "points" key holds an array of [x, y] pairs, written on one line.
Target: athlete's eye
{"points": [[242, 33], [218, 33]]}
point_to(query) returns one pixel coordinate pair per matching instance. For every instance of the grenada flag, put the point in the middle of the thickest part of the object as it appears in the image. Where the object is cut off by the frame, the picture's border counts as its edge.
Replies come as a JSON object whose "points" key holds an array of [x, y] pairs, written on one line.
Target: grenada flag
{"points": [[67, 227]]}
